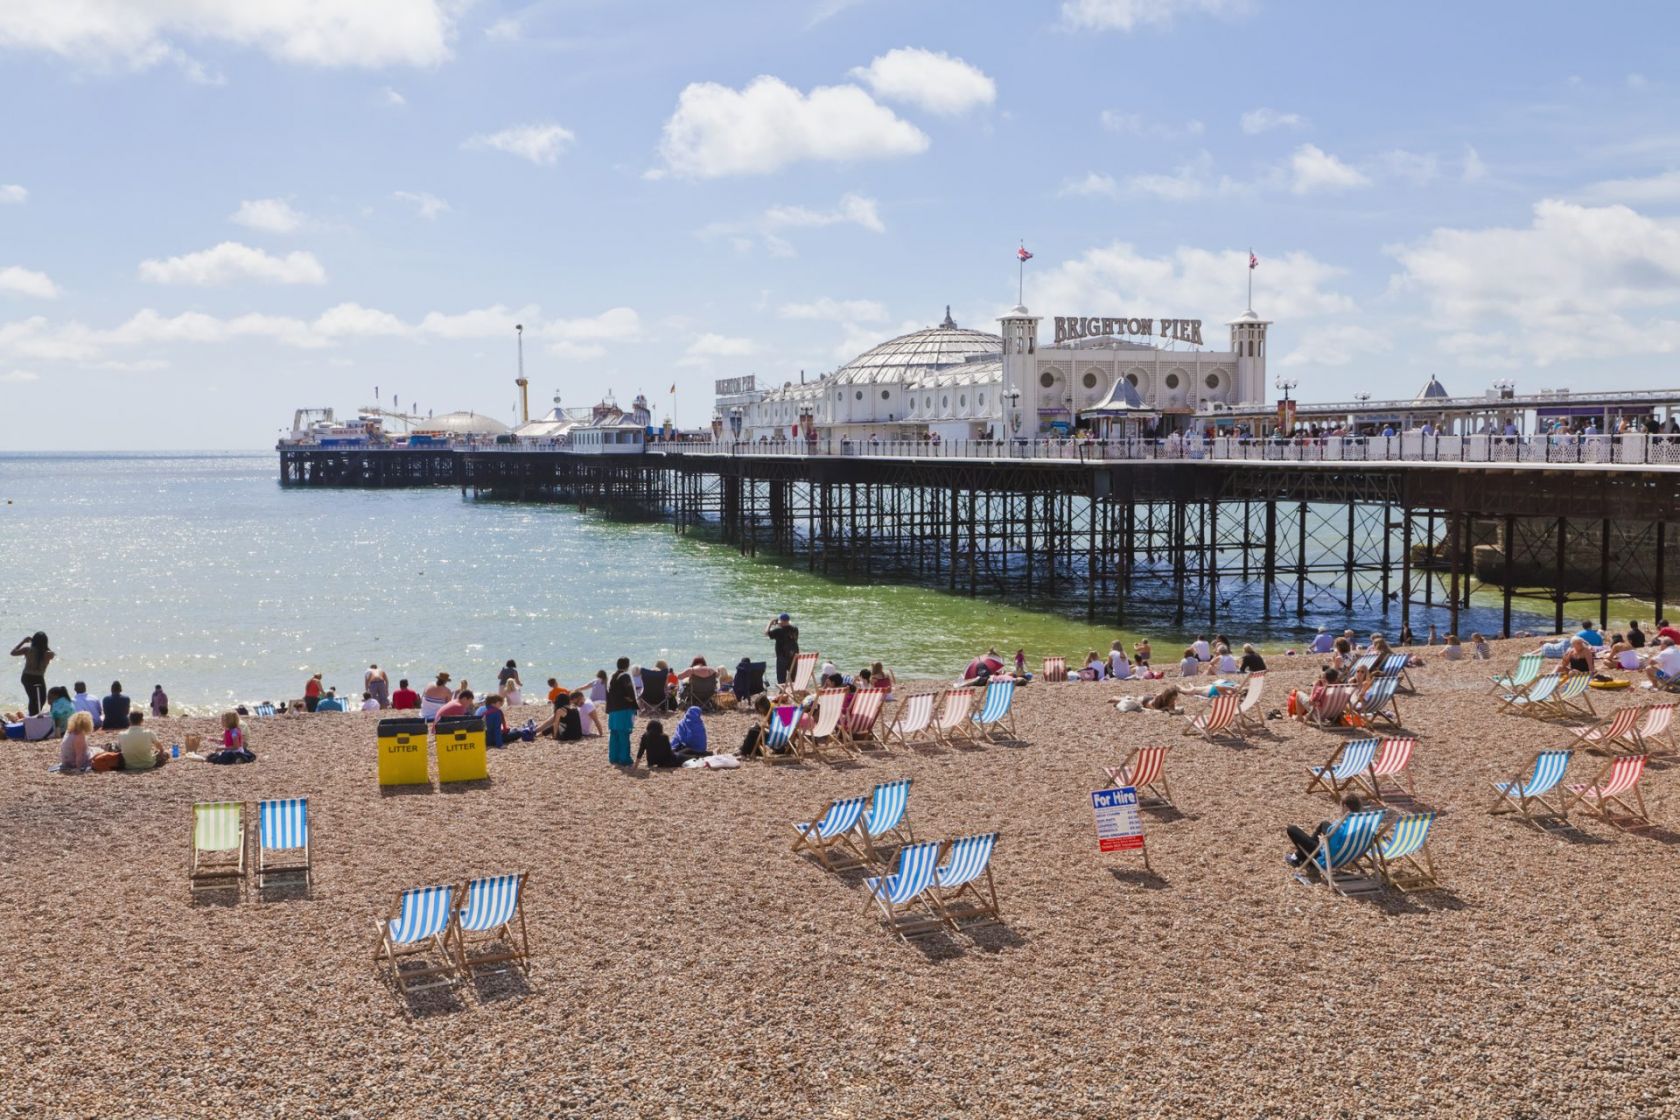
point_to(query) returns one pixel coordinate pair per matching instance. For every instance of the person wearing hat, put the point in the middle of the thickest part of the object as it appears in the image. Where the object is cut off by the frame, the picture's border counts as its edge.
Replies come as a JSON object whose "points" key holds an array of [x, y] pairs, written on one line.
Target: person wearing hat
{"points": [[785, 634], [439, 690], [1323, 642]]}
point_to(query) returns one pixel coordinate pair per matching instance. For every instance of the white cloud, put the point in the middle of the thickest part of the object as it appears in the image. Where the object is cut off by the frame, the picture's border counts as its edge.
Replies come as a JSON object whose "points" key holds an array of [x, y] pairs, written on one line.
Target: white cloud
{"points": [[1577, 282], [1312, 170], [352, 320], [1093, 185], [853, 208], [143, 33], [1129, 15], [1136, 124], [1650, 190], [1189, 181], [836, 310], [1416, 168], [271, 215], [615, 324], [231, 262], [19, 376], [931, 80], [505, 30], [717, 131], [1474, 169], [13, 194], [539, 143], [481, 322], [1256, 121], [35, 337], [24, 282], [1190, 283], [707, 346], [392, 99], [427, 206], [1336, 344]]}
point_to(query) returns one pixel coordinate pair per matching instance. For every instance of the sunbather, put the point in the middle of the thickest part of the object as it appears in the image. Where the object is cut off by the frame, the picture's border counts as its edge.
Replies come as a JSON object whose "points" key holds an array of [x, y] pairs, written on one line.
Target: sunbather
{"points": [[1664, 666], [1306, 843], [74, 754], [1480, 647]]}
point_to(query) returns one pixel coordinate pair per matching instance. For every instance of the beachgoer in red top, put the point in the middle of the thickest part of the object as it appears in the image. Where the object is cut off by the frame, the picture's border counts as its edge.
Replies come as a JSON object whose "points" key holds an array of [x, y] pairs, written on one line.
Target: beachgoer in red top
{"points": [[462, 705], [1664, 630], [404, 698], [312, 692]]}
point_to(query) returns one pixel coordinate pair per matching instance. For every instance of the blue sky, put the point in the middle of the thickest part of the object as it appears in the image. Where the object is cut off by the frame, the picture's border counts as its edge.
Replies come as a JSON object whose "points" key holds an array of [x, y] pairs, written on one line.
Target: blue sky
{"points": [[211, 214]]}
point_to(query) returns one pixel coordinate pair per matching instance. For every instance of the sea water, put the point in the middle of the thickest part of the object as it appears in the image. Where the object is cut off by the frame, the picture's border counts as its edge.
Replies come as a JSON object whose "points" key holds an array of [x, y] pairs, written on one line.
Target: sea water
{"points": [[196, 571]]}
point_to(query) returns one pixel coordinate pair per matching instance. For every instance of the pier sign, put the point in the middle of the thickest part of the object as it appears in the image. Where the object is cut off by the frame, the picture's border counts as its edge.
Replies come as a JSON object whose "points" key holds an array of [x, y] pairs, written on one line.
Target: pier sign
{"points": [[1119, 828], [729, 386], [1072, 327]]}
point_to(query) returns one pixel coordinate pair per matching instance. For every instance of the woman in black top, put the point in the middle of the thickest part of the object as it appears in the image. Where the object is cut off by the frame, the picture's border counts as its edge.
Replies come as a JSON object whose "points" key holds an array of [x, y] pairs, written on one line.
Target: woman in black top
{"points": [[656, 746], [35, 656], [621, 714], [1251, 661]]}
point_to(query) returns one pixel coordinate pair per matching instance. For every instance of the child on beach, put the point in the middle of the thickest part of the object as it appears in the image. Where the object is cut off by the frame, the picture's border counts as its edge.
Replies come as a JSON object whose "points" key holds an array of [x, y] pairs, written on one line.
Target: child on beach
{"points": [[1191, 665], [1454, 650], [1480, 649], [495, 722], [234, 748], [74, 755]]}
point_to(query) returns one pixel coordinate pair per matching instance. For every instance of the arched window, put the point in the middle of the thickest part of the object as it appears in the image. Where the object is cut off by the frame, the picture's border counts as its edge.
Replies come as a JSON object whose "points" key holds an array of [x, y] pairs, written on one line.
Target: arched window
{"points": [[1046, 380], [860, 394], [1089, 381], [1172, 380], [1133, 379], [1213, 381], [886, 394]]}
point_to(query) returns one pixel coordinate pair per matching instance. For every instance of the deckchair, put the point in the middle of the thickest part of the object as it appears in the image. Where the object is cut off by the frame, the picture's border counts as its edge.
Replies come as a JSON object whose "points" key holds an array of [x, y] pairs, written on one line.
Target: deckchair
{"points": [[963, 892], [283, 827], [1333, 702], [1055, 669], [1534, 697], [1248, 712], [884, 820], [655, 698], [1394, 760], [1380, 703], [421, 928], [995, 713], [780, 742], [824, 734], [911, 720], [902, 896], [1219, 719], [493, 904], [804, 668], [218, 852], [1619, 777], [829, 837], [1527, 796], [1572, 698], [1365, 661], [1345, 769], [749, 680], [1403, 854], [951, 721], [1621, 728], [700, 692], [1394, 665], [1346, 846], [1525, 674], [1659, 722], [265, 709], [857, 725], [1145, 770]]}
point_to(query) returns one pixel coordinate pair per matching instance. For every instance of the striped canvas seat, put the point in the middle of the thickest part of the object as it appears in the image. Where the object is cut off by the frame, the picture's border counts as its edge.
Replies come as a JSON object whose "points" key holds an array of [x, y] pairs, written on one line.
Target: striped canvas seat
{"points": [[1572, 697], [218, 838], [1526, 796], [1394, 665], [1345, 768], [1332, 703], [1525, 674], [858, 724], [1535, 696], [963, 891], [1609, 792], [1248, 711], [1658, 723], [1145, 770], [829, 837], [1219, 719], [1393, 761], [911, 720], [884, 818], [1344, 847], [264, 709], [1617, 734], [1055, 669], [902, 896], [780, 743], [804, 668], [1379, 703], [824, 734], [1403, 854], [494, 903], [282, 837], [1367, 661], [951, 723], [415, 943], [996, 713]]}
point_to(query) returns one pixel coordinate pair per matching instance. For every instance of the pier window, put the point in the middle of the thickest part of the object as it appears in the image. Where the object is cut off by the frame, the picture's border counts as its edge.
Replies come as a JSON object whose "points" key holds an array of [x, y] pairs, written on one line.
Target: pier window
{"points": [[1213, 381], [1048, 380], [1172, 380], [1090, 380]]}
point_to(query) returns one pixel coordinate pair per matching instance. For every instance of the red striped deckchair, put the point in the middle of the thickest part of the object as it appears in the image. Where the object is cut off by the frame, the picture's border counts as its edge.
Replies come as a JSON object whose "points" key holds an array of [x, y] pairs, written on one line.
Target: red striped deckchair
{"points": [[1055, 669], [950, 722], [804, 668], [1145, 770], [911, 721], [824, 733], [1393, 761], [1658, 723], [1609, 791], [857, 725], [1219, 719], [1617, 735], [1332, 704]]}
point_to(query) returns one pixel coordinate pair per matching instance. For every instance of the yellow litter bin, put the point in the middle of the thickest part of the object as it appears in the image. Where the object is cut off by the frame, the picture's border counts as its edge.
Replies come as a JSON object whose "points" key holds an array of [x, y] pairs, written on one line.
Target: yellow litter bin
{"points": [[460, 750], [402, 753]]}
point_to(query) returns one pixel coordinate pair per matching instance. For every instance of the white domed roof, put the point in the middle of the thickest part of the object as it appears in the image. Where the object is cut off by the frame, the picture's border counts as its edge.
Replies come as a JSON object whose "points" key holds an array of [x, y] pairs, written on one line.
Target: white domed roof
{"points": [[464, 424], [944, 345]]}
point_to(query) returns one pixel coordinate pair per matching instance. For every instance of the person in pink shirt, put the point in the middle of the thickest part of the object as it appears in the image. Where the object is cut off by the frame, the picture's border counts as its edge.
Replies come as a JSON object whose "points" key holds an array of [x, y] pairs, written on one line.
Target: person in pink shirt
{"points": [[74, 754], [462, 705]]}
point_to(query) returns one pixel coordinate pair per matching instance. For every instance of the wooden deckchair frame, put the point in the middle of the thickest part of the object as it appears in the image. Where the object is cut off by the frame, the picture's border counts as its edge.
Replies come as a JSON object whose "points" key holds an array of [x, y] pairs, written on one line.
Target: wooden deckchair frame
{"points": [[1323, 778], [1521, 804], [804, 665], [872, 847], [394, 954], [210, 868], [1004, 722], [1201, 724], [1388, 713], [815, 743], [791, 750], [518, 947], [1154, 793], [915, 917], [857, 734], [1318, 717], [968, 906], [1413, 872], [836, 853], [1622, 727], [1600, 802], [962, 728], [894, 730]]}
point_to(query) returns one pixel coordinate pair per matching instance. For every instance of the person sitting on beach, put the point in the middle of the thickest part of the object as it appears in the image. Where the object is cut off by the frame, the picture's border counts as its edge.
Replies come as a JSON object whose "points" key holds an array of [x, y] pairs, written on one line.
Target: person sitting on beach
{"points": [[1578, 657], [690, 737], [234, 747], [86, 703], [656, 748], [554, 689], [1454, 650], [598, 687], [508, 684], [1345, 656], [1094, 665], [1590, 635], [1190, 665], [139, 747], [1664, 665], [1300, 708], [405, 699], [751, 742], [160, 702], [1635, 636], [563, 721], [1479, 648], [1119, 668], [115, 708], [1199, 648], [370, 702], [1141, 653], [1223, 662], [60, 707], [74, 754], [439, 690], [495, 721], [1305, 843], [461, 704], [1323, 642], [1251, 661]]}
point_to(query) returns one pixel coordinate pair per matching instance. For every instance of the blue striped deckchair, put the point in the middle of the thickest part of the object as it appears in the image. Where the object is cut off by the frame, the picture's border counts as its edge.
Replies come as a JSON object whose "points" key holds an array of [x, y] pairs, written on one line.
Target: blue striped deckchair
{"points": [[330, 704], [494, 903], [1525, 674], [265, 709], [1379, 703], [902, 896], [996, 712], [1394, 665], [780, 743], [421, 928], [1403, 854], [963, 891], [1344, 848], [885, 819], [283, 826], [1524, 796], [1363, 661], [1534, 697], [829, 837], [1345, 768], [218, 854]]}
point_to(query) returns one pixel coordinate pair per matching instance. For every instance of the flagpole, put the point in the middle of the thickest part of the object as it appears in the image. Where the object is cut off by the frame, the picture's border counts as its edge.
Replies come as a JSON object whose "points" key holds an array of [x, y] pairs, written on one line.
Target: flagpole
{"points": [[1251, 278]]}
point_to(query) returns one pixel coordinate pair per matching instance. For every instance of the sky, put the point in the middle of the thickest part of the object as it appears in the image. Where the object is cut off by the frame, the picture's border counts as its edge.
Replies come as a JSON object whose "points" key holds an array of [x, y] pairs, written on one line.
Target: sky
{"points": [[214, 213]]}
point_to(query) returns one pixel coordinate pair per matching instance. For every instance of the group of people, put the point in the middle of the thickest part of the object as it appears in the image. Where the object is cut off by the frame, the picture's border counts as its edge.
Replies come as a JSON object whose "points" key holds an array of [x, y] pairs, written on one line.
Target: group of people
{"points": [[1656, 656]]}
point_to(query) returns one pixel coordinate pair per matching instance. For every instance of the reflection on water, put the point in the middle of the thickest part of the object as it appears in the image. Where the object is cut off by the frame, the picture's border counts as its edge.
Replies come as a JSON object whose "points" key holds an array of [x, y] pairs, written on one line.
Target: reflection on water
{"points": [[198, 572]]}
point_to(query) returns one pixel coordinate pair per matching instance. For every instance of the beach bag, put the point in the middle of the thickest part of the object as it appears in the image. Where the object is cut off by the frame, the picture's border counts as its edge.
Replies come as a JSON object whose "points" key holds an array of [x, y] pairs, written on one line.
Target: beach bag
{"points": [[1295, 709], [1352, 719], [107, 760]]}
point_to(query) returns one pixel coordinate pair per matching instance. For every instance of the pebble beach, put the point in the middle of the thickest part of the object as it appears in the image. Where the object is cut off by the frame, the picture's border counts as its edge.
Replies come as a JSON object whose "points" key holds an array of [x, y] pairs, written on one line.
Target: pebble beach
{"points": [[685, 963]]}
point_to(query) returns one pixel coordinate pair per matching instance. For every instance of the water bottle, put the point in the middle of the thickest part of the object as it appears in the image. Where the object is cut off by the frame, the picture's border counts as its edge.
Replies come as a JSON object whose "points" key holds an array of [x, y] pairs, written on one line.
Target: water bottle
{"points": [[174, 750]]}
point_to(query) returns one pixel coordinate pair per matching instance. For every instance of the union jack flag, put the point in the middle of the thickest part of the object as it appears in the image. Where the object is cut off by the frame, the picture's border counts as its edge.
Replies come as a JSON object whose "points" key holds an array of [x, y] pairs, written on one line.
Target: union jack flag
{"points": [[1022, 254], [1253, 261]]}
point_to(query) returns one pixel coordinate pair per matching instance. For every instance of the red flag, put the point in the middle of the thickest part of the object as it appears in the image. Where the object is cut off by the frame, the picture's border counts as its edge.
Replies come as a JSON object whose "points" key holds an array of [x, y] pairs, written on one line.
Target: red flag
{"points": [[1253, 261], [1022, 254]]}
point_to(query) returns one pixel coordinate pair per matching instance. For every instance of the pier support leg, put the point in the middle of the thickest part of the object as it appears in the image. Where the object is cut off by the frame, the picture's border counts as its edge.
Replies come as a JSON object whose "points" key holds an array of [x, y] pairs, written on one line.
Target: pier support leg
{"points": [[1510, 571], [1562, 569]]}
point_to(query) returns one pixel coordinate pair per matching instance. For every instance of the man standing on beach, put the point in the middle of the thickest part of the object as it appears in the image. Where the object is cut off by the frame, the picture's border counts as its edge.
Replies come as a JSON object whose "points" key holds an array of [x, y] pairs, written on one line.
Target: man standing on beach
{"points": [[785, 634], [621, 714]]}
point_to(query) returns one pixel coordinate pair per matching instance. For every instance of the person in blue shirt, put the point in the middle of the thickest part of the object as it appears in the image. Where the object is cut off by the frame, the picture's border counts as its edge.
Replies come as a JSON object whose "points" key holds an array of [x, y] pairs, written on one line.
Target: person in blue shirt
{"points": [[1324, 642], [689, 740], [1590, 635], [495, 721]]}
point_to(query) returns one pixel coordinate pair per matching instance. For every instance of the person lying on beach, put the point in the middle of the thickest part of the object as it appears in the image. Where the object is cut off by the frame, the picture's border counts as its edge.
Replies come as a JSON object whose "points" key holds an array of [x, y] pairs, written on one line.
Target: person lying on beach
{"points": [[234, 747], [1305, 842], [1166, 700]]}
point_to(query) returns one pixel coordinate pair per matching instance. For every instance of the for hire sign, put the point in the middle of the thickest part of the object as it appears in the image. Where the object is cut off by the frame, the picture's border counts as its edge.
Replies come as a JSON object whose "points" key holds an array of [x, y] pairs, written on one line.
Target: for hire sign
{"points": [[1071, 327]]}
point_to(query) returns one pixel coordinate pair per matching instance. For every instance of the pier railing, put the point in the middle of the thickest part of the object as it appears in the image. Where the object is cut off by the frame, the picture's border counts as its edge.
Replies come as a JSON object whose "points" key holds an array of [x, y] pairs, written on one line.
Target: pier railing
{"points": [[1410, 447]]}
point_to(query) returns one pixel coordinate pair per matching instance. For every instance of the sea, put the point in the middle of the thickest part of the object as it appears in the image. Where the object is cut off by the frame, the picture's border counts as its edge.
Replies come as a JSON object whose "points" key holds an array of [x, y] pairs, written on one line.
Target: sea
{"points": [[197, 571]]}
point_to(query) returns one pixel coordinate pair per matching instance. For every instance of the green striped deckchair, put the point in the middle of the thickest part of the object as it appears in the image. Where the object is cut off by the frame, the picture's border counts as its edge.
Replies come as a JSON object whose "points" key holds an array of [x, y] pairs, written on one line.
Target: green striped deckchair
{"points": [[218, 852]]}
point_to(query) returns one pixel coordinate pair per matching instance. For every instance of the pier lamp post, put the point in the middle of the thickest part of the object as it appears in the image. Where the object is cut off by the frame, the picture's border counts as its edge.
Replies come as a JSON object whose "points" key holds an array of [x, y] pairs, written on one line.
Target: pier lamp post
{"points": [[1362, 397], [737, 416], [1286, 408]]}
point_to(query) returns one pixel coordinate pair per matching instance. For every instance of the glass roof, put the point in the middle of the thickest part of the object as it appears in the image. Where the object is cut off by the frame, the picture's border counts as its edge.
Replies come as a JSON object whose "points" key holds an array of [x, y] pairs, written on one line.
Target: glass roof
{"points": [[946, 344]]}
